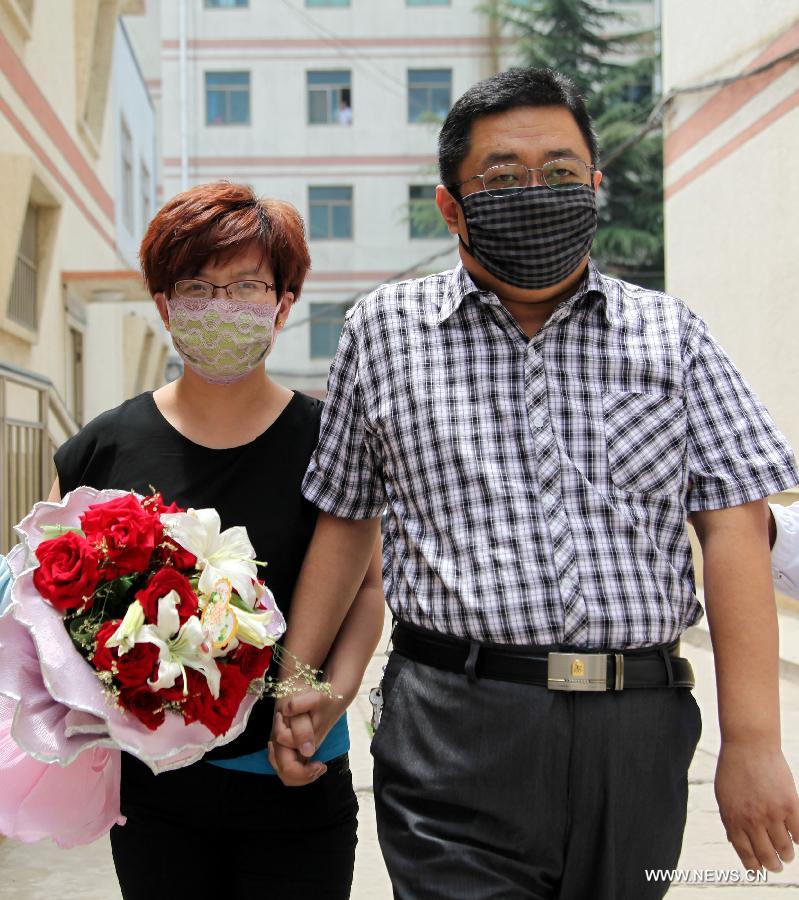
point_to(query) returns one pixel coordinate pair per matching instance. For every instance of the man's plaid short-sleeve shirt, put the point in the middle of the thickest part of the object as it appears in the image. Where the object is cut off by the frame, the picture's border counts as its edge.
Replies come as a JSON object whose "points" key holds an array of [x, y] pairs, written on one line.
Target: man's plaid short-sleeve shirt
{"points": [[537, 489]]}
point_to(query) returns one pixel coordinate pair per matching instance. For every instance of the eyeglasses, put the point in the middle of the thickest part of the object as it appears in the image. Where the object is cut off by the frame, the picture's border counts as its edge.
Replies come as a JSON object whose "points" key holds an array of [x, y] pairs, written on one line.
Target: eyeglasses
{"points": [[243, 291], [557, 174]]}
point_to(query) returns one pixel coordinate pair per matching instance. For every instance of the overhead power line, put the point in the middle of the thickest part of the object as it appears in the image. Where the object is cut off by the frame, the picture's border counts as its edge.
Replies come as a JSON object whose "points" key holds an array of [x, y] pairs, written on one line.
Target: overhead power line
{"points": [[347, 51], [653, 121], [396, 276], [655, 117]]}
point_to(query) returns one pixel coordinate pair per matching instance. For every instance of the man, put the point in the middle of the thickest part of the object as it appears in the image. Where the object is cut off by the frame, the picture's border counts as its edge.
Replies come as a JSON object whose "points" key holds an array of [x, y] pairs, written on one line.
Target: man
{"points": [[539, 434], [344, 112]]}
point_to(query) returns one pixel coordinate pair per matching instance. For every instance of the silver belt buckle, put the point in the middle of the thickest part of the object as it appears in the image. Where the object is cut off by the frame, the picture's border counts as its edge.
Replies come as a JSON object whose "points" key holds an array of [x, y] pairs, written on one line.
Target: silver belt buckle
{"points": [[582, 672]]}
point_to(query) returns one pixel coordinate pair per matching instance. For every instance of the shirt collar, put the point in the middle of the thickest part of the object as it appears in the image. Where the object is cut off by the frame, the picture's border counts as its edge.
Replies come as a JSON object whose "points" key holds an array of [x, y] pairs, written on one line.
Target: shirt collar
{"points": [[460, 285]]}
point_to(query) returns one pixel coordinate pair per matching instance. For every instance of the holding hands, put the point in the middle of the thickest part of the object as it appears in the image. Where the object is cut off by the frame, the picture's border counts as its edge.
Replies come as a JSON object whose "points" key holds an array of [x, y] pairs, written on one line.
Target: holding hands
{"points": [[300, 725]]}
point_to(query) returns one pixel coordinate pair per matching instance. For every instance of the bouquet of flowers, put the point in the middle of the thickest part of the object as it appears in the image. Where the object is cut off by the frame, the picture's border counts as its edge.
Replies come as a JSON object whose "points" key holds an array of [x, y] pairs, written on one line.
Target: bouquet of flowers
{"points": [[132, 626]]}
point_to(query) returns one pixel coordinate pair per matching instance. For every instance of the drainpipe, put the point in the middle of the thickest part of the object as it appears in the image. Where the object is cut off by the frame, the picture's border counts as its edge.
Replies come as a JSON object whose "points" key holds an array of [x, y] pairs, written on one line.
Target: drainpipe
{"points": [[184, 113], [493, 36]]}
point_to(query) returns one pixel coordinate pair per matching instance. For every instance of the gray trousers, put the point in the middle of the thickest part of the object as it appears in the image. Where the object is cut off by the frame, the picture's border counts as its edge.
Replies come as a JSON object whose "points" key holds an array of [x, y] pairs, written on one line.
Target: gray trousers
{"points": [[490, 789]]}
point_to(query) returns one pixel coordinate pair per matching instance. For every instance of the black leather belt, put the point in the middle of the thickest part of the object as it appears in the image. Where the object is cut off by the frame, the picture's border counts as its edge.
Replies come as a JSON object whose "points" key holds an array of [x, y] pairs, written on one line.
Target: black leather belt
{"points": [[573, 671]]}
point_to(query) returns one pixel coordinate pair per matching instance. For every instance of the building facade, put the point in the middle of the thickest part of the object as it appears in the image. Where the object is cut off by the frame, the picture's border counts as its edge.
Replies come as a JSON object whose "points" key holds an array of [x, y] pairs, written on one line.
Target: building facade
{"points": [[333, 106], [72, 341], [731, 196]]}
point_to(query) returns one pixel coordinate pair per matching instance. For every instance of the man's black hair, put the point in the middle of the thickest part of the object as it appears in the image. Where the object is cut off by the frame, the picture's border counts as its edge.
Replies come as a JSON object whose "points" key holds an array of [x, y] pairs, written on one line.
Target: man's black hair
{"points": [[499, 93]]}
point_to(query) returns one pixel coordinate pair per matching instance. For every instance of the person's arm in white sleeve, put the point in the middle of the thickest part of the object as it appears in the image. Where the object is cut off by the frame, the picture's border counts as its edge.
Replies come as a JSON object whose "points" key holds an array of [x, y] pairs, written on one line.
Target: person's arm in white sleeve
{"points": [[784, 538]]}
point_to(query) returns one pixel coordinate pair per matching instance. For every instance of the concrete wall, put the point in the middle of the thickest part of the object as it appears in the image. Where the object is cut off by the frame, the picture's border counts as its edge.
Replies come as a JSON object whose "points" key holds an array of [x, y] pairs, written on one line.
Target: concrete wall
{"points": [[49, 158], [132, 103], [732, 194], [59, 151]]}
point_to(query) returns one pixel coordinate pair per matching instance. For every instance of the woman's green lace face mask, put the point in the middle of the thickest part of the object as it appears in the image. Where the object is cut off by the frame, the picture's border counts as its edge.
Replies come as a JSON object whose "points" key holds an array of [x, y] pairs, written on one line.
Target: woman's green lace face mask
{"points": [[221, 340]]}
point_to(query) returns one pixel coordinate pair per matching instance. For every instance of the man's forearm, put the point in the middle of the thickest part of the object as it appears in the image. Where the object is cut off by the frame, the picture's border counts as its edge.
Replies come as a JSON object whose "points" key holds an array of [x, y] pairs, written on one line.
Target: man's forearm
{"points": [[333, 570], [739, 598]]}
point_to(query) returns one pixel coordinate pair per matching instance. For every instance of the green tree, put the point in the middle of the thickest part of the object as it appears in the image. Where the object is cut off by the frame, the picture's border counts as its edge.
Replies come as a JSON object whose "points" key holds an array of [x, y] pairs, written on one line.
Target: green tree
{"points": [[571, 36]]}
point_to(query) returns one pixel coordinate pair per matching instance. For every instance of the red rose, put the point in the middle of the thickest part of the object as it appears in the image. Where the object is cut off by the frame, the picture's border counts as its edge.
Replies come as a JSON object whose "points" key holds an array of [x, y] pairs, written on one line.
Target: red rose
{"points": [[157, 506], [251, 661], [68, 571], [136, 666], [172, 694], [217, 715], [170, 552], [164, 581], [124, 534], [199, 696], [131, 669], [104, 657], [144, 704]]}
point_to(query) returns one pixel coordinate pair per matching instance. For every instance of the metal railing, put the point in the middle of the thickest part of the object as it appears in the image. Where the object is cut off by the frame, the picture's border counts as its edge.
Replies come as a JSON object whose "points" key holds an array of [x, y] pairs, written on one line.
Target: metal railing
{"points": [[30, 431]]}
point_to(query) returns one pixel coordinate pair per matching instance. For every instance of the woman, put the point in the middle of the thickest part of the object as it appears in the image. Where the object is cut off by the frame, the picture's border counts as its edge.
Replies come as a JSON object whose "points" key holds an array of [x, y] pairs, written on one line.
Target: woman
{"points": [[225, 269]]}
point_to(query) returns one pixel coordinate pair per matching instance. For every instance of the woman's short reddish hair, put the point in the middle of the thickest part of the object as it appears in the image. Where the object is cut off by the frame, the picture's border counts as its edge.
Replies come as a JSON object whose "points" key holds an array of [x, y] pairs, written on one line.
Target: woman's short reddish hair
{"points": [[214, 222]]}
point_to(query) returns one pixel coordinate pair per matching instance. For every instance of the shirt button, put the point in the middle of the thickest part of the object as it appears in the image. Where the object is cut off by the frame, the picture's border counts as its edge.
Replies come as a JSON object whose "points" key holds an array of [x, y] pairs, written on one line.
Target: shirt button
{"points": [[540, 421], [549, 499]]}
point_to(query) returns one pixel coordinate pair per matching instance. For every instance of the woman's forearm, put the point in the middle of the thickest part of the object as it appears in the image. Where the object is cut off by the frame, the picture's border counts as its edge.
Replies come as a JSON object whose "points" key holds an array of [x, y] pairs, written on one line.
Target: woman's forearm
{"points": [[360, 633], [326, 589]]}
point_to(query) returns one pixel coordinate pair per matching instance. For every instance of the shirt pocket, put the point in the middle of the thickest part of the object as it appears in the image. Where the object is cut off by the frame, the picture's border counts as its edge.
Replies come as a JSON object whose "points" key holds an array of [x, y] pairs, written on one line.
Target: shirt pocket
{"points": [[646, 441]]}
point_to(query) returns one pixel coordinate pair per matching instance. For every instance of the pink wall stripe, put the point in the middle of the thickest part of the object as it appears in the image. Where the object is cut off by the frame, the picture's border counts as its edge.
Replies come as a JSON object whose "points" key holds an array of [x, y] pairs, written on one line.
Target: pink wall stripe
{"points": [[728, 100], [777, 112], [37, 103], [26, 136]]}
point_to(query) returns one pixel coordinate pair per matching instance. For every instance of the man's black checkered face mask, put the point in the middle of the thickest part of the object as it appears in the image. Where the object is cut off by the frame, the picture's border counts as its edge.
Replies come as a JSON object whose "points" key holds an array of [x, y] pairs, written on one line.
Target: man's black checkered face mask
{"points": [[531, 238]]}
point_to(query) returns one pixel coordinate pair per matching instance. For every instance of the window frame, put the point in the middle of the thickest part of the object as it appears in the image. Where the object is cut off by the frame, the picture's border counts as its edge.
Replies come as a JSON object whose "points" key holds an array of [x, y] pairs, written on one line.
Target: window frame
{"points": [[318, 319], [26, 265], [329, 89], [145, 194], [330, 205], [126, 170], [228, 90], [429, 87], [440, 231]]}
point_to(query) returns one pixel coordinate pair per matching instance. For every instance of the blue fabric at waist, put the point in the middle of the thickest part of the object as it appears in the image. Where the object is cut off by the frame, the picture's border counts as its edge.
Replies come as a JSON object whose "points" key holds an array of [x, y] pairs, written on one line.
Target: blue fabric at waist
{"points": [[336, 743]]}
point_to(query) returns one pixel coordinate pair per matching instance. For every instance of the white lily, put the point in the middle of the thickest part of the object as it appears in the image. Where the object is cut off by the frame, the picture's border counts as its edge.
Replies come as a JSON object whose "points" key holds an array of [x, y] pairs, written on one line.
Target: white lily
{"points": [[262, 626], [220, 554], [254, 627], [125, 636], [179, 646]]}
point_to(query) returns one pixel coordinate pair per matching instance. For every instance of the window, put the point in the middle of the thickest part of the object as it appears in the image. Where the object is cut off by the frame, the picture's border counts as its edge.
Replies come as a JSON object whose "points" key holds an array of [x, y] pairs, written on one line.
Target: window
{"points": [[329, 98], [327, 2], [424, 218], [22, 303], [225, 4], [126, 142], [146, 199], [227, 98], [327, 320], [76, 387], [429, 94], [330, 213]]}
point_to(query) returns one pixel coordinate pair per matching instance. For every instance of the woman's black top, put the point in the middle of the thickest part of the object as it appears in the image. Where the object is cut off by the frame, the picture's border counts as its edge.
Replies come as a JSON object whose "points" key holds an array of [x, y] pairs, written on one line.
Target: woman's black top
{"points": [[257, 485]]}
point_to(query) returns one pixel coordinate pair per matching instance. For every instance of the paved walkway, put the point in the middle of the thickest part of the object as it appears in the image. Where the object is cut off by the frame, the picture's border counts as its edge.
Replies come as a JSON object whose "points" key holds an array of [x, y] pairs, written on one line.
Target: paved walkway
{"points": [[43, 872]]}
